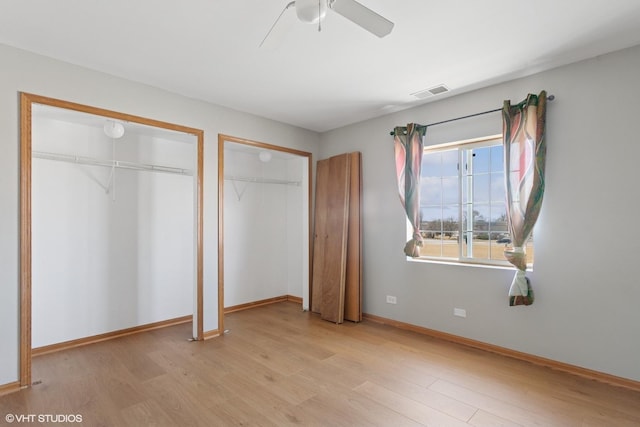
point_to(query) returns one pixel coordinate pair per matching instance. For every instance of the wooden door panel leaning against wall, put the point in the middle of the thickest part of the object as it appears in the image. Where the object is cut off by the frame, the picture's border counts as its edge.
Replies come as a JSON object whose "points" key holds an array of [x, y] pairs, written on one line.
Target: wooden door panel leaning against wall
{"points": [[353, 284], [337, 268]]}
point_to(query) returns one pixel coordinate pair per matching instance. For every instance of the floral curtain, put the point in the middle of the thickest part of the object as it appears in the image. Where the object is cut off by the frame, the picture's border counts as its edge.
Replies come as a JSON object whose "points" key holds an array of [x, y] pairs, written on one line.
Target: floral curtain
{"points": [[408, 146], [524, 159]]}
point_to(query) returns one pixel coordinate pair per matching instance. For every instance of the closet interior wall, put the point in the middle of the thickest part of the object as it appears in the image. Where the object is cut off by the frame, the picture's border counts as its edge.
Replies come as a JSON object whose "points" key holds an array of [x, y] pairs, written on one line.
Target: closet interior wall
{"points": [[111, 248], [264, 226]]}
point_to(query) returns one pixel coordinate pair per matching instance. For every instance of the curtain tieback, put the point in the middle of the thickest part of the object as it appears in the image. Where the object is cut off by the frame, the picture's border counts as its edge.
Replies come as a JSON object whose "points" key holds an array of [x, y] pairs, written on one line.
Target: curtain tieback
{"points": [[516, 256]]}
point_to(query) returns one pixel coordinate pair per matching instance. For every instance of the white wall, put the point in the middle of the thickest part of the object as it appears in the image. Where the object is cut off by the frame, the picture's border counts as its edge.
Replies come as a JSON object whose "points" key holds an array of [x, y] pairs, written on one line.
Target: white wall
{"points": [[23, 71], [108, 254], [586, 248], [263, 236]]}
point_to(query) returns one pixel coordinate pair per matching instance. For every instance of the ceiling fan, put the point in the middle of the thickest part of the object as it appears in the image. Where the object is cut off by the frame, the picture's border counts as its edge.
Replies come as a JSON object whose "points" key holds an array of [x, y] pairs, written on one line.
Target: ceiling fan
{"points": [[314, 11]]}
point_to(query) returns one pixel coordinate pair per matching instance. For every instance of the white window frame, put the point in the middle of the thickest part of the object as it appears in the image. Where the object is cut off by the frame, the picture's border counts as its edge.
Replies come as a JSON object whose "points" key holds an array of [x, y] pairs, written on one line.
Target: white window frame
{"points": [[462, 147]]}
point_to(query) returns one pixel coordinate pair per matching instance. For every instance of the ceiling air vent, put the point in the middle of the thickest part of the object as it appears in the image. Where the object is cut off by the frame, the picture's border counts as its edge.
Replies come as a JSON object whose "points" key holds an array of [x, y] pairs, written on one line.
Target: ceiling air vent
{"points": [[432, 91]]}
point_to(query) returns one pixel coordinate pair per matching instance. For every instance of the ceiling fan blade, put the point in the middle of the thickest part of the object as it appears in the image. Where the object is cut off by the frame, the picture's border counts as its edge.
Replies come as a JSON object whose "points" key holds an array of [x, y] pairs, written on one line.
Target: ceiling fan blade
{"points": [[362, 16], [276, 32]]}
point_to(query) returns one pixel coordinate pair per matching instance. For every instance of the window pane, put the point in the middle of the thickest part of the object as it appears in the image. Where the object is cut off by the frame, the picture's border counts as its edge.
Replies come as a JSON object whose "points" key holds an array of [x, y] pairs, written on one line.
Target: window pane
{"points": [[497, 187], [450, 191], [450, 213], [481, 186], [493, 234], [450, 228], [499, 218], [431, 247], [497, 162], [451, 236], [481, 245], [440, 247], [430, 191], [481, 218], [477, 229], [450, 163], [450, 247], [481, 158], [431, 219], [497, 250], [431, 165]]}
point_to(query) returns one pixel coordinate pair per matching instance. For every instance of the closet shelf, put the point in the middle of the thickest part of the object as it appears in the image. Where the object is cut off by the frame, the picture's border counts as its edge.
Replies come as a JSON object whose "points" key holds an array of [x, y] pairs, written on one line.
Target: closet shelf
{"points": [[261, 180], [109, 163]]}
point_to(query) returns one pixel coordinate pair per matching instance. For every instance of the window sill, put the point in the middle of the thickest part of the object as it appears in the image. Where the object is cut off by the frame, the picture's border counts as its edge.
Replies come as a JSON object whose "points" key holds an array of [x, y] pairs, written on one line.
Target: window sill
{"points": [[465, 264]]}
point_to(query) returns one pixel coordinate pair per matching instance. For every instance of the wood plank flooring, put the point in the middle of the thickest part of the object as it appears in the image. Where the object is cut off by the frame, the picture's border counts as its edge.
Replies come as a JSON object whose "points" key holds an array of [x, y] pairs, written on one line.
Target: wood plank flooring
{"points": [[280, 366]]}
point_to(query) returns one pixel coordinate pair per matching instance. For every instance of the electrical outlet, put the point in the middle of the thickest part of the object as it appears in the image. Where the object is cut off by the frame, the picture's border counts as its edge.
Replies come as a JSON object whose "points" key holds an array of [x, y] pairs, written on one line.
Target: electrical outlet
{"points": [[391, 300], [460, 312]]}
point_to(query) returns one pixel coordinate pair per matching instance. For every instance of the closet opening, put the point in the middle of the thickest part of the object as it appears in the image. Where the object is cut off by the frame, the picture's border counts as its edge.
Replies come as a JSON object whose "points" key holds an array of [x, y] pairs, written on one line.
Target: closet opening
{"points": [[111, 226], [264, 225]]}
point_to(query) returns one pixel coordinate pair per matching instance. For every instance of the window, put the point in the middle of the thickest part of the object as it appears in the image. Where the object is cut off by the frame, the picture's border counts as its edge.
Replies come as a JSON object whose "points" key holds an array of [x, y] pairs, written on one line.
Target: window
{"points": [[462, 203]]}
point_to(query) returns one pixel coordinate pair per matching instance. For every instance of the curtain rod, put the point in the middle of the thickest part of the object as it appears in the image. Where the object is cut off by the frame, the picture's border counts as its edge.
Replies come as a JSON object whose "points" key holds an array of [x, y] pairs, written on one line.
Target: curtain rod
{"points": [[549, 98]]}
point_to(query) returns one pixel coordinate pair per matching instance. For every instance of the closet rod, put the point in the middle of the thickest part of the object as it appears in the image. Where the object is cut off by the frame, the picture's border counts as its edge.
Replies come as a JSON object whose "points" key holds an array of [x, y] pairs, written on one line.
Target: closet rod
{"points": [[109, 163], [261, 180], [549, 98]]}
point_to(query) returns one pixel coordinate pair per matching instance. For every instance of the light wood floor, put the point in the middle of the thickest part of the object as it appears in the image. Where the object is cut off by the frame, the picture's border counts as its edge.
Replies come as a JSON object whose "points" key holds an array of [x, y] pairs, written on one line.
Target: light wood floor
{"points": [[281, 366]]}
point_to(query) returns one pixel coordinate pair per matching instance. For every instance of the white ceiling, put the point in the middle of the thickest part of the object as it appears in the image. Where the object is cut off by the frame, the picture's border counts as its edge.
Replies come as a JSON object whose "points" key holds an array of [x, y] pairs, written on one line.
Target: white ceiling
{"points": [[208, 49]]}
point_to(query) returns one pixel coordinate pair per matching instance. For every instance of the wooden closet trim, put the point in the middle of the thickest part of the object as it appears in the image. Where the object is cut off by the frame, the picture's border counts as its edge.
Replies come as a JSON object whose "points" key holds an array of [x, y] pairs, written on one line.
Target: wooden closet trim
{"points": [[26, 102], [222, 138]]}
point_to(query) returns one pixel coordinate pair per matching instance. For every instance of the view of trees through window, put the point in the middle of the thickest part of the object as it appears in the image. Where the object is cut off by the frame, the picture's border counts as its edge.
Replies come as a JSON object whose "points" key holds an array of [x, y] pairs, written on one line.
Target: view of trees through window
{"points": [[463, 203]]}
